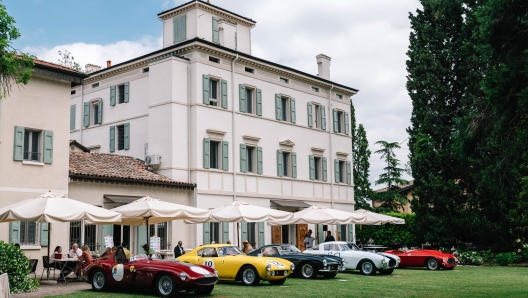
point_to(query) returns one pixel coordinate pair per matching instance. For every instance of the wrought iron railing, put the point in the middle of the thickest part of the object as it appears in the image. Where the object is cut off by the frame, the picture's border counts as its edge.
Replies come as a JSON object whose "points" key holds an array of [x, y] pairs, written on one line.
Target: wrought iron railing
{"points": [[31, 156]]}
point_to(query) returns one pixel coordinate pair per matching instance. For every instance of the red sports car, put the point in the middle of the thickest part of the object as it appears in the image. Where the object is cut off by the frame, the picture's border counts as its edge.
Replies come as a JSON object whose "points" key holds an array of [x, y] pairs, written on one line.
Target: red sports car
{"points": [[432, 259], [166, 277]]}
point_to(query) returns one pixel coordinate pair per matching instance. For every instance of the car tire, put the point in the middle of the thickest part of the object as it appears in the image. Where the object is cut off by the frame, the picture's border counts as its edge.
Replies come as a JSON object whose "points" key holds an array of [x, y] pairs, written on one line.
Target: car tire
{"points": [[249, 276], [329, 275], [277, 282], [367, 268], [432, 264], [386, 271], [204, 291], [307, 270], [98, 281], [165, 286]]}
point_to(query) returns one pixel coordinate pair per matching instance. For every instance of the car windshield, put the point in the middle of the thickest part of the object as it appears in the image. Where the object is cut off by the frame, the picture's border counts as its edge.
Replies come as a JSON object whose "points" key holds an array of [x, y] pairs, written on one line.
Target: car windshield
{"points": [[352, 246], [335, 247], [229, 251], [288, 249], [138, 258]]}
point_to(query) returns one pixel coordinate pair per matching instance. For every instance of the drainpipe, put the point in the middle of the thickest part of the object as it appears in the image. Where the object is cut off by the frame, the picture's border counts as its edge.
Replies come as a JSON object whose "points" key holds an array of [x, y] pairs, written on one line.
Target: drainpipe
{"points": [[233, 135], [81, 108], [194, 199], [331, 152]]}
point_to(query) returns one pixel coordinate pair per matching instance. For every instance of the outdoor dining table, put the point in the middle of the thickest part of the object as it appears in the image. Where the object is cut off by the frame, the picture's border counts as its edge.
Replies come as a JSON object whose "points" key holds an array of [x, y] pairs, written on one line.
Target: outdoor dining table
{"points": [[62, 264], [374, 247]]}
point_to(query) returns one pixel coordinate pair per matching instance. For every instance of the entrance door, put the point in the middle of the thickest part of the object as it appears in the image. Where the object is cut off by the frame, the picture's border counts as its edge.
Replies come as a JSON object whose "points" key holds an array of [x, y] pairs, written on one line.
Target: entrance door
{"points": [[302, 229], [276, 234]]}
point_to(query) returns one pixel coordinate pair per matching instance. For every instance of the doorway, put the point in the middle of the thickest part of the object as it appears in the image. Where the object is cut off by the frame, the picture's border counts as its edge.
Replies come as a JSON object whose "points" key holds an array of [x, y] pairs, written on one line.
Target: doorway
{"points": [[121, 235]]}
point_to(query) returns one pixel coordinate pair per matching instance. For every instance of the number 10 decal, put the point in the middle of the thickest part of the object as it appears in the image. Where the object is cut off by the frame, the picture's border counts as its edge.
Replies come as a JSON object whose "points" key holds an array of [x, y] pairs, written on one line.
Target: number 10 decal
{"points": [[209, 263]]}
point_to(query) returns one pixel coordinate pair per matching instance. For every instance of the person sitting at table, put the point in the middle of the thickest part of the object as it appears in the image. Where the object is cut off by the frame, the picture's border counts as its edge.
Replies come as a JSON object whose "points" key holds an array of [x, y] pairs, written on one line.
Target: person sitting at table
{"points": [[56, 252], [150, 251], [75, 250], [125, 250], [108, 254], [69, 267], [371, 241], [84, 260]]}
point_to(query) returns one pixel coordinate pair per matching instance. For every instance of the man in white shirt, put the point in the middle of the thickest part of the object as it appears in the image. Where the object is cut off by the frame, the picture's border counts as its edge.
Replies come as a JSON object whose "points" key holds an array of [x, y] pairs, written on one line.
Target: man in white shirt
{"points": [[70, 266], [75, 250], [309, 240]]}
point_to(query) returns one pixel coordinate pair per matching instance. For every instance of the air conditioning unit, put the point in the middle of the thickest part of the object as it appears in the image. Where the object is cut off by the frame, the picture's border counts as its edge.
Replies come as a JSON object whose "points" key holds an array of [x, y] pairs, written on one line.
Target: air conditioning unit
{"points": [[153, 161]]}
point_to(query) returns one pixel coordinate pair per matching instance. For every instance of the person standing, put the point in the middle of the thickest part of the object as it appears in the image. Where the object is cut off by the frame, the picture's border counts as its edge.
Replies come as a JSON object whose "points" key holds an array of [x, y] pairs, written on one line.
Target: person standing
{"points": [[178, 250], [329, 237], [309, 240], [247, 247], [125, 250]]}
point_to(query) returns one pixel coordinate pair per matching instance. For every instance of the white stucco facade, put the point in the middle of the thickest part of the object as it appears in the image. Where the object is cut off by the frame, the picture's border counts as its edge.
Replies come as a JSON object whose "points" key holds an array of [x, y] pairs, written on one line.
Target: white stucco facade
{"points": [[167, 114]]}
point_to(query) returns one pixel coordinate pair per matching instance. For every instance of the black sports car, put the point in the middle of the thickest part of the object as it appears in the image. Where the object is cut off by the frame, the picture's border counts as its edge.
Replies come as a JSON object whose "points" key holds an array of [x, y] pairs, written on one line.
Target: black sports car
{"points": [[306, 266]]}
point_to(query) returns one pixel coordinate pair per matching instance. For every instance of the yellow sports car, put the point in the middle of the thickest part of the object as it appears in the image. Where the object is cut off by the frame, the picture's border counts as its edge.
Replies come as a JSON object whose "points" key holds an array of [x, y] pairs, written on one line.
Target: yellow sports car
{"points": [[232, 264]]}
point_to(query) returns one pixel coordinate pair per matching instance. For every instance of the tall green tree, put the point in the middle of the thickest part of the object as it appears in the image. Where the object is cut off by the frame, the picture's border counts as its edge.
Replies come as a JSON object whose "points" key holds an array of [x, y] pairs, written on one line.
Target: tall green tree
{"points": [[16, 67], [392, 177], [360, 163]]}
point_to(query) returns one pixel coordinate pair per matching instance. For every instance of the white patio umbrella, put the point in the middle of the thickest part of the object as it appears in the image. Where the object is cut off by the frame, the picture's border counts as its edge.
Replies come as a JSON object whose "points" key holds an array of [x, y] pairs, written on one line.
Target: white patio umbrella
{"points": [[53, 208], [322, 215], [372, 218]]}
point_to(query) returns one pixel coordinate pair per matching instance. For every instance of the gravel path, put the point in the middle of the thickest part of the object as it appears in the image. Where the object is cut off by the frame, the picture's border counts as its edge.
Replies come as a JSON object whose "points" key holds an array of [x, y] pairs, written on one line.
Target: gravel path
{"points": [[53, 288]]}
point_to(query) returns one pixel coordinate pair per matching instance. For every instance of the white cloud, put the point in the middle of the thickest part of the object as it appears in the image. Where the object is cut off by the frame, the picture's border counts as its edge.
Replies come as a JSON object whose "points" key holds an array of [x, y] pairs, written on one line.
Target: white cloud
{"points": [[98, 54]]}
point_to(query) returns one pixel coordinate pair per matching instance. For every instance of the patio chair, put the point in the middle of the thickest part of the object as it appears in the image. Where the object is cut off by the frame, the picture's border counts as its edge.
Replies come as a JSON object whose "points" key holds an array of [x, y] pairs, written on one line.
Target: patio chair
{"points": [[33, 267], [46, 265]]}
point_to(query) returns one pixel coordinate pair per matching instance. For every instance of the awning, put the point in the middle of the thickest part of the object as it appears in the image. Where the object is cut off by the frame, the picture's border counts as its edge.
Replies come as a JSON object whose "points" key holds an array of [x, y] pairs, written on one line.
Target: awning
{"points": [[121, 199], [291, 203]]}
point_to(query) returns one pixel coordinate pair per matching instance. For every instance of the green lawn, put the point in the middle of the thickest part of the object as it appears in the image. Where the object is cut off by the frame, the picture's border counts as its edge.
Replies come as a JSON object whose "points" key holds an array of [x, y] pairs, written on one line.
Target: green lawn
{"points": [[471, 282]]}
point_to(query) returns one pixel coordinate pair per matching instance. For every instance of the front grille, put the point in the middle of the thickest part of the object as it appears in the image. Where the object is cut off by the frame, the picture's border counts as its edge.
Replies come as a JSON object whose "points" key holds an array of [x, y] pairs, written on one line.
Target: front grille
{"points": [[333, 267], [451, 261], [206, 280], [279, 272], [392, 263]]}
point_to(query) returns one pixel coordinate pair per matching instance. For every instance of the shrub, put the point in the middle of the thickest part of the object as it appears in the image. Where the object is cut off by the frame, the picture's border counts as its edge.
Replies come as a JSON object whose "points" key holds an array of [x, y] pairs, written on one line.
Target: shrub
{"points": [[487, 256], [385, 234], [16, 265], [504, 259], [470, 258]]}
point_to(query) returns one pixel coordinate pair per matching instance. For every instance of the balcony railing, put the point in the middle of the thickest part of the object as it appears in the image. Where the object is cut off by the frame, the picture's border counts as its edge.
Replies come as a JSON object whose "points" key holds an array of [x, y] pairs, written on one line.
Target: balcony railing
{"points": [[31, 156]]}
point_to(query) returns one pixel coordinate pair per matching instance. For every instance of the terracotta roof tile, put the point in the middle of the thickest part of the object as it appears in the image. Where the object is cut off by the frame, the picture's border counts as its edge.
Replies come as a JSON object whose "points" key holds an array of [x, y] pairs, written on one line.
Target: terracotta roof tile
{"points": [[116, 167], [54, 65]]}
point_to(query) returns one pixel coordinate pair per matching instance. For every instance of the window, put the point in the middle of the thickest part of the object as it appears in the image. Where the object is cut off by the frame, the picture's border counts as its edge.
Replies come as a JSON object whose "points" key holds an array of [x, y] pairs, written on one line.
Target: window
{"points": [[317, 115], [145, 70], [285, 233], [318, 166], [213, 59], [286, 164], [251, 168], [340, 118], [28, 233], [339, 96], [72, 117], [96, 112], [121, 94], [157, 230], [315, 89], [215, 149], [284, 80], [250, 70], [213, 88], [342, 233], [214, 234], [120, 137], [32, 148], [250, 101], [251, 233], [342, 171], [95, 85], [73, 92], [284, 108], [75, 232]]}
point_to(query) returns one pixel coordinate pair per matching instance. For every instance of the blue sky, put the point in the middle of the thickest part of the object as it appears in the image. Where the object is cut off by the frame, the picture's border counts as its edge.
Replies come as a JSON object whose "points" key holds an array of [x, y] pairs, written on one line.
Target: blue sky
{"points": [[366, 39]]}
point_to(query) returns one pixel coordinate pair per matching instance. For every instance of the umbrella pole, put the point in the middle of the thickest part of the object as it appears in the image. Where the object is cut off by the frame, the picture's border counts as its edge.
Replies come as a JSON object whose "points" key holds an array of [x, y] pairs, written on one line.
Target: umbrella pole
{"points": [[148, 242], [49, 244]]}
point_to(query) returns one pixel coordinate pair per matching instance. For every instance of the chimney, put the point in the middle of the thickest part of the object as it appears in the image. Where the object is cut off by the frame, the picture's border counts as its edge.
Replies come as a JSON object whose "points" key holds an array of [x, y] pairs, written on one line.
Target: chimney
{"points": [[89, 68], [323, 66], [108, 63]]}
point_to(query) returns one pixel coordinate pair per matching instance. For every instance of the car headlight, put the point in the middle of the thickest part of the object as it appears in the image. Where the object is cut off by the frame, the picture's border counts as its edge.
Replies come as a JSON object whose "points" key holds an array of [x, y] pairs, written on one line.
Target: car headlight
{"points": [[444, 259], [184, 276], [383, 261], [325, 263], [292, 267], [268, 267], [216, 273]]}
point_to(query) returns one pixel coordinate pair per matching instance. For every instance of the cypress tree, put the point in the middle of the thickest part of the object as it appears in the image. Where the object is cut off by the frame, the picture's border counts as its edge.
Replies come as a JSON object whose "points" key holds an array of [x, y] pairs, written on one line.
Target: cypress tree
{"points": [[391, 200], [360, 162]]}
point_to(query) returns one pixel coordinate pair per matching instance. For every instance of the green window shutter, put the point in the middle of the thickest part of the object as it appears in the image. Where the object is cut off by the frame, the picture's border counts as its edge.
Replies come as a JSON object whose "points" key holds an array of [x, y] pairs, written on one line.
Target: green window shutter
{"points": [[18, 147], [206, 153], [259, 102], [72, 117], [260, 165], [261, 235], [225, 155], [278, 107], [127, 136], [349, 172], [48, 147], [311, 160], [112, 138], [206, 233], [336, 170], [86, 119], [225, 232], [347, 129], [14, 232], [112, 96], [294, 164], [44, 230], [310, 117], [180, 28], [100, 111], [293, 113], [224, 94], [141, 237], [320, 234], [216, 34], [243, 158], [108, 230], [243, 231], [350, 230], [127, 91], [325, 171], [279, 163], [242, 98], [323, 118], [334, 113], [205, 93]]}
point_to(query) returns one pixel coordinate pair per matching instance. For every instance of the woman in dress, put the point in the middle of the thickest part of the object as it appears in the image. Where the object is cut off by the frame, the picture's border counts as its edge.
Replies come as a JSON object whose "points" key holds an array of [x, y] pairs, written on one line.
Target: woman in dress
{"points": [[84, 260]]}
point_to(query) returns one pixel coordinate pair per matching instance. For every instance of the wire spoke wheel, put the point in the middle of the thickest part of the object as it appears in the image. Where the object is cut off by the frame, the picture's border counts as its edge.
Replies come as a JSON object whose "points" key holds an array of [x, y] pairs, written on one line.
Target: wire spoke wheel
{"points": [[165, 285], [307, 270]]}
